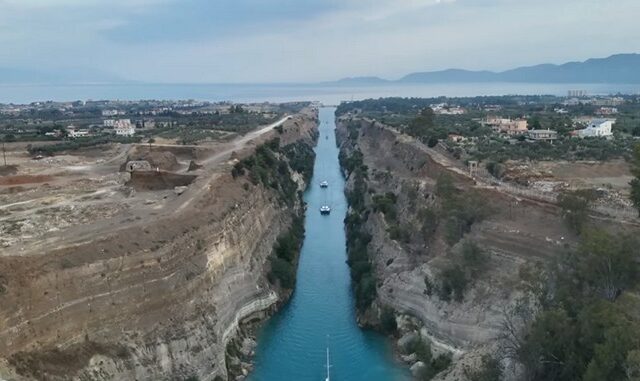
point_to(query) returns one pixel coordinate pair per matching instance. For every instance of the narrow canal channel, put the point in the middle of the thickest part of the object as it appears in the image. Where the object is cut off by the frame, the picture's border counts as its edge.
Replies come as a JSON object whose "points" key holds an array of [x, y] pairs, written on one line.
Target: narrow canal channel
{"points": [[321, 313]]}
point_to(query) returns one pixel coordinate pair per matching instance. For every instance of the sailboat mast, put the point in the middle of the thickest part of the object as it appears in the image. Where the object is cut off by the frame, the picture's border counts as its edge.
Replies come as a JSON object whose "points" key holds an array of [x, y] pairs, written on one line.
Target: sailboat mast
{"points": [[328, 366]]}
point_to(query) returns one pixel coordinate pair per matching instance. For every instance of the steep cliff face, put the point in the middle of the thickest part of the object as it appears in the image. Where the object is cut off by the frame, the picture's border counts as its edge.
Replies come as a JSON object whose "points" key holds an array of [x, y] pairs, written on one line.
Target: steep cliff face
{"points": [[159, 298], [421, 236]]}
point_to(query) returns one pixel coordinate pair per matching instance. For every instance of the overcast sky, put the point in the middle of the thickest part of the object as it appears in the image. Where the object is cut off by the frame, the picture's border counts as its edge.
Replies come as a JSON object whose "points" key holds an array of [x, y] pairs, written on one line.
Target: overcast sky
{"points": [[308, 40]]}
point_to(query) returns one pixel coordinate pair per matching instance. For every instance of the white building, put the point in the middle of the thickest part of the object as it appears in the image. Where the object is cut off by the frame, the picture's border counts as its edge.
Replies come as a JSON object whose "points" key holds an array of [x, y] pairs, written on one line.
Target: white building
{"points": [[109, 123], [607, 110], [597, 128], [446, 109], [76, 133], [543, 135], [124, 127], [112, 112]]}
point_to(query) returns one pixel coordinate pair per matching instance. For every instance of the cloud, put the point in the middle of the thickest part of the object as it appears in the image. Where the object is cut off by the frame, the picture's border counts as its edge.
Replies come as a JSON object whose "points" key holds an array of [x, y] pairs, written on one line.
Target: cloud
{"points": [[52, 4], [293, 40]]}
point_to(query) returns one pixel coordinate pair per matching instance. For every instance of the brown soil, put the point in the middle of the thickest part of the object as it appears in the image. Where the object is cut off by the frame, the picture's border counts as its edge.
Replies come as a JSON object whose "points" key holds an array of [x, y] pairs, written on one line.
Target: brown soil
{"points": [[7, 170], [613, 173], [193, 166], [24, 179], [152, 180], [163, 160]]}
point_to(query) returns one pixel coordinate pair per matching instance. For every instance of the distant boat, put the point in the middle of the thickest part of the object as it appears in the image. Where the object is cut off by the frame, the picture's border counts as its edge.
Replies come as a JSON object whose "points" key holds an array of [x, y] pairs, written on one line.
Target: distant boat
{"points": [[325, 209], [324, 184]]}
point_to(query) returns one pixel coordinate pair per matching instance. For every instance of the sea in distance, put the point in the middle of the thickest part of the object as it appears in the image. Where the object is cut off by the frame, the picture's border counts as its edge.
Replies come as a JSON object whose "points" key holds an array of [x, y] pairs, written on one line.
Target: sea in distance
{"points": [[328, 94]]}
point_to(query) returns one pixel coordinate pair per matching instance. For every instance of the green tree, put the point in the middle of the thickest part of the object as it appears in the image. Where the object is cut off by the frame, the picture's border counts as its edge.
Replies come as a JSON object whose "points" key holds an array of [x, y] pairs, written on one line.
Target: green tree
{"points": [[474, 257], [444, 186], [388, 321], [453, 283], [429, 220], [6, 139], [547, 353], [607, 263], [632, 365], [490, 370], [496, 169], [575, 208], [422, 125], [607, 335]]}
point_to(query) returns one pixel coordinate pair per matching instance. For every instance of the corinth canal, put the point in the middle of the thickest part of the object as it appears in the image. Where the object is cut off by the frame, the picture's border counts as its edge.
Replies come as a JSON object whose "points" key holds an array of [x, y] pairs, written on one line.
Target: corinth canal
{"points": [[321, 313]]}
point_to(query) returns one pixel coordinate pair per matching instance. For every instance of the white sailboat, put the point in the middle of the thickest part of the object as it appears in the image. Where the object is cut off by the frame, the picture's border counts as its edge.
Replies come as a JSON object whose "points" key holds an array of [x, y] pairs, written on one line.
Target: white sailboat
{"points": [[328, 366]]}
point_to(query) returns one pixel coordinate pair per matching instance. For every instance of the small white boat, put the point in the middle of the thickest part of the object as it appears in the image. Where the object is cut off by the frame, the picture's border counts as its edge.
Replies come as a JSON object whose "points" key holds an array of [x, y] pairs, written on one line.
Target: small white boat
{"points": [[324, 184], [328, 366], [325, 209]]}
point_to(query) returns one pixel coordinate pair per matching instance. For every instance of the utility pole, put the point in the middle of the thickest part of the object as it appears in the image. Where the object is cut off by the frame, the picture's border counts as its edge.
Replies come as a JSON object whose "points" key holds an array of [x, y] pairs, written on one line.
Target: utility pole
{"points": [[4, 154]]}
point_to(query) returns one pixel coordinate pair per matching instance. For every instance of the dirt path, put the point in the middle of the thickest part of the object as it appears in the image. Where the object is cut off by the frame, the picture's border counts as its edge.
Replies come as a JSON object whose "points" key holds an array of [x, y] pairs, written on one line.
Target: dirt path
{"points": [[195, 191], [625, 215], [160, 204]]}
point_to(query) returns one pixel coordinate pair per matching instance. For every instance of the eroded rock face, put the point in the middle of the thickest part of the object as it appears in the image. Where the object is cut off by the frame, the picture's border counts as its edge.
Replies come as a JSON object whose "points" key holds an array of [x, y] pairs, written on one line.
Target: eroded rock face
{"points": [[158, 299], [517, 233]]}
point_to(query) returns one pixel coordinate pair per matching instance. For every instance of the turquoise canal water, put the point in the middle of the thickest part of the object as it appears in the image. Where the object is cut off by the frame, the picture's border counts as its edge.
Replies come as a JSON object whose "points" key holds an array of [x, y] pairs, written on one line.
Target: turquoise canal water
{"points": [[292, 345]]}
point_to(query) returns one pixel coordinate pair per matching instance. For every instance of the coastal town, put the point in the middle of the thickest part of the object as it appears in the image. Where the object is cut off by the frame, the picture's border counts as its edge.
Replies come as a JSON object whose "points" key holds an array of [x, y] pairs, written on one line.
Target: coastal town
{"points": [[50, 121]]}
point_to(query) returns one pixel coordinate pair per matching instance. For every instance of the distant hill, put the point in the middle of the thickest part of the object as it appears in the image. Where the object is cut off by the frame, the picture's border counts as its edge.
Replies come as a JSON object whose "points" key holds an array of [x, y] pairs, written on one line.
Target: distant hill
{"points": [[355, 81], [619, 68], [20, 76]]}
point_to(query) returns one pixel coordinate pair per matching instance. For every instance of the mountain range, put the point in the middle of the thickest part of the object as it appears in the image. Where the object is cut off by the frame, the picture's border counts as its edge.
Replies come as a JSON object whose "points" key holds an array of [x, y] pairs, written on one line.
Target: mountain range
{"points": [[618, 68]]}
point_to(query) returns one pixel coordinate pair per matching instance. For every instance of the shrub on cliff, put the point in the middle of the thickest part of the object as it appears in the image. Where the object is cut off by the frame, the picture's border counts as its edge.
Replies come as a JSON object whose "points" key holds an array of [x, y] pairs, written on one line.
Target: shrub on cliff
{"points": [[461, 212], [474, 258], [399, 233], [496, 169], [301, 157], [285, 254], [635, 182], [270, 164], [386, 203], [456, 278], [575, 208], [388, 322], [432, 365], [430, 223], [490, 369], [283, 271], [453, 283], [587, 328]]}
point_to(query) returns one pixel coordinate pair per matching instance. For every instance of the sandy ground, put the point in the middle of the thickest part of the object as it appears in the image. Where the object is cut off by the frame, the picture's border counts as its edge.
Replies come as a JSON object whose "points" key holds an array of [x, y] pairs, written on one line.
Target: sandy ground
{"points": [[56, 201]]}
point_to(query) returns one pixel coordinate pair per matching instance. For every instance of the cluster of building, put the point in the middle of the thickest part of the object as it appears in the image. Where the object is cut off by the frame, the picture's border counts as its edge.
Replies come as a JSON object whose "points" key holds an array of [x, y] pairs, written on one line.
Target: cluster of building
{"points": [[598, 127], [446, 109], [595, 101], [507, 126], [607, 111], [120, 127]]}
